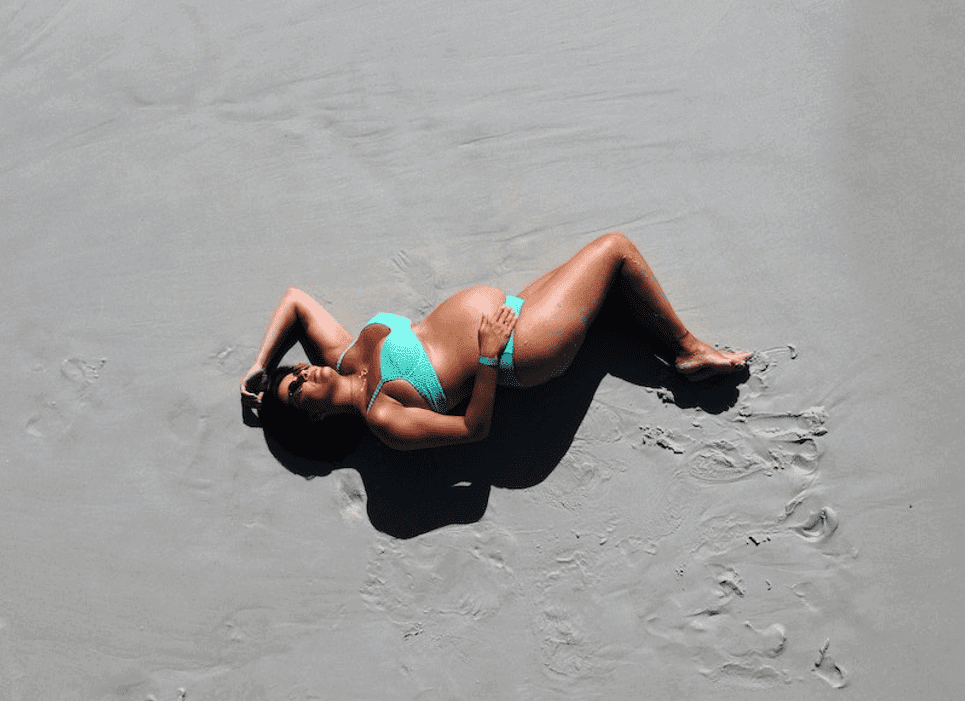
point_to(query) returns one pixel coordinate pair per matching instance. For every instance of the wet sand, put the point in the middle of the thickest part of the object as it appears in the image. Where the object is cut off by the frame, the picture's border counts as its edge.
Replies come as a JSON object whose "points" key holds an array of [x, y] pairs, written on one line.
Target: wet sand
{"points": [[793, 173]]}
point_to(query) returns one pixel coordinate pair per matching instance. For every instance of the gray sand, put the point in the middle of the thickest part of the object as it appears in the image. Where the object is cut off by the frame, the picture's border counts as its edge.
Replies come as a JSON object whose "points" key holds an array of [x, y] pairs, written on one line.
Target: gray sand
{"points": [[793, 172]]}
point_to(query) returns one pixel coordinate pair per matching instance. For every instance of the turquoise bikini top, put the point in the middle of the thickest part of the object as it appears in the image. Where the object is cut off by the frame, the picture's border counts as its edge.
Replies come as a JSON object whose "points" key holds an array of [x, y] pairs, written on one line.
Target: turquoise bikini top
{"points": [[403, 357]]}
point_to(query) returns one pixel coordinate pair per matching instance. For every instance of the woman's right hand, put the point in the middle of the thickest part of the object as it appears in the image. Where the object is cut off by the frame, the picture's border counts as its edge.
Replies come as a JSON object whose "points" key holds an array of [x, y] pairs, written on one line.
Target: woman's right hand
{"points": [[494, 332], [253, 387]]}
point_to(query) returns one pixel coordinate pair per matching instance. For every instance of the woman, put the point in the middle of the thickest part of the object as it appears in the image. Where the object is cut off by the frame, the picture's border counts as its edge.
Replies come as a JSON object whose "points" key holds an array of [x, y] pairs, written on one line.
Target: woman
{"points": [[402, 377]]}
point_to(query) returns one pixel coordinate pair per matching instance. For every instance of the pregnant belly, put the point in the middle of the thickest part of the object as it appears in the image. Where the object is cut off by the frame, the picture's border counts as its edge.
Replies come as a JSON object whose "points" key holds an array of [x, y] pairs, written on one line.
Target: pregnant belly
{"points": [[450, 335]]}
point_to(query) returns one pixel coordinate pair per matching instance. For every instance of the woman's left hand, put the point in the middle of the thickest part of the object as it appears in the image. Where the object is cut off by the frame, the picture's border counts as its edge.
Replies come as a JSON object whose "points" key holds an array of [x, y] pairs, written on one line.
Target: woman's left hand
{"points": [[494, 333]]}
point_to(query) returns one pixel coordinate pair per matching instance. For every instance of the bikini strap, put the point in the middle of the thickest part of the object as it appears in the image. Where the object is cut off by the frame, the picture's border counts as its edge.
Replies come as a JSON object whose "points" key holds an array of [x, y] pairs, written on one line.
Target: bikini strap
{"points": [[338, 365], [378, 388]]}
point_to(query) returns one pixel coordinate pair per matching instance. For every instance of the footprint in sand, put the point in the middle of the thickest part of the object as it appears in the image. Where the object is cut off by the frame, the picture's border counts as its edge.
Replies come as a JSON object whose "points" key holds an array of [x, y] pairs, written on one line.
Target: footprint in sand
{"points": [[769, 641], [48, 422], [572, 645], [59, 407], [82, 372], [788, 438], [665, 438], [703, 621], [722, 461], [761, 362], [748, 674], [787, 425], [820, 526], [758, 443], [441, 580], [738, 446], [820, 523], [827, 669], [230, 360], [349, 495], [419, 275], [686, 618], [746, 646]]}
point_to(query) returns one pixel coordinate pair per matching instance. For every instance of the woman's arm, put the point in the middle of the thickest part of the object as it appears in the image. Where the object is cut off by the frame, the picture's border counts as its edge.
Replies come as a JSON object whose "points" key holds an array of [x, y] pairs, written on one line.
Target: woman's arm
{"points": [[298, 317], [301, 318], [405, 428]]}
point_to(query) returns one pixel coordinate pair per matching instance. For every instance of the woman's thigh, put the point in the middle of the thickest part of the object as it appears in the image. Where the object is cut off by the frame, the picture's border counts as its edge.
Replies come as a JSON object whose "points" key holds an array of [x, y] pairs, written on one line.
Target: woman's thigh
{"points": [[560, 306]]}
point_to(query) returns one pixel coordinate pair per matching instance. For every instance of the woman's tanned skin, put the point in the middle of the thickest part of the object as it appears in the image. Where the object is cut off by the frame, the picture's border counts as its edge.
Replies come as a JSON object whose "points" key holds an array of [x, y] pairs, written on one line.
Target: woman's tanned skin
{"points": [[559, 308]]}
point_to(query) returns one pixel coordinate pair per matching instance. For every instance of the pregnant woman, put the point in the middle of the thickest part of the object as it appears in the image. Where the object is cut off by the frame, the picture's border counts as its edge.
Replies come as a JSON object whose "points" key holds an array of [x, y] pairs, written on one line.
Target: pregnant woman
{"points": [[403, 377]]}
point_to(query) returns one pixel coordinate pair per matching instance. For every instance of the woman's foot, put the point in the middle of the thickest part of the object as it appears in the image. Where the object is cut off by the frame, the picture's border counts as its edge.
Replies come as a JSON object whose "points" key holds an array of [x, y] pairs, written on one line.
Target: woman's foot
{"points": [[698, 361]]}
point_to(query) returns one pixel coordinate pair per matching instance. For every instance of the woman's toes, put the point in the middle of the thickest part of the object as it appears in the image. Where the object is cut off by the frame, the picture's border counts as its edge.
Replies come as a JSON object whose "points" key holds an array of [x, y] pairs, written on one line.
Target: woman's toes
{"points": [[740, 360], [711, 363]]}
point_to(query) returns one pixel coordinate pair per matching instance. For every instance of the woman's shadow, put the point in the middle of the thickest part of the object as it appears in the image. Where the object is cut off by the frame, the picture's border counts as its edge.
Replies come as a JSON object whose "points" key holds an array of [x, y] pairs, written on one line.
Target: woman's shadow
{"points": [[413, 492]]}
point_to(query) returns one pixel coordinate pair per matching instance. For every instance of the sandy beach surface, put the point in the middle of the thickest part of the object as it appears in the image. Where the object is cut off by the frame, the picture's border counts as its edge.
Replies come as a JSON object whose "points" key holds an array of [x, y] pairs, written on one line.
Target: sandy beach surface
{"points": [[793, 171]]}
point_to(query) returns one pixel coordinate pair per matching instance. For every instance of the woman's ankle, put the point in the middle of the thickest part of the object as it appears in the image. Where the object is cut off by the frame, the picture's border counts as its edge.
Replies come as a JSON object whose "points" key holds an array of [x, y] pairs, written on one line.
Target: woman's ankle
{"points": [[688, 344]]}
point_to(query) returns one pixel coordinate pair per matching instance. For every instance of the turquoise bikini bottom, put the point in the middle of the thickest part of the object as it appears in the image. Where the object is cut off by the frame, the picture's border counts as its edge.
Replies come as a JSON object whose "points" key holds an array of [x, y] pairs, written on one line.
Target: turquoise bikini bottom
{"points": [[507, 370]]}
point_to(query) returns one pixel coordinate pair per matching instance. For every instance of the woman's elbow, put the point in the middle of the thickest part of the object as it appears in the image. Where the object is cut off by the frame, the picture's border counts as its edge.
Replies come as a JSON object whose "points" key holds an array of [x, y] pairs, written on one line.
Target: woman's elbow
{"points": [[477, 433]]}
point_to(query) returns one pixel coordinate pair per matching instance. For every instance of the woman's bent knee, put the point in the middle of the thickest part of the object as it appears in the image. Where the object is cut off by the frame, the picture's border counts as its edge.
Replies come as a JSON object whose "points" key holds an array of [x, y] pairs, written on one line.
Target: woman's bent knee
{"points": [[614, 245], [615, 241]]}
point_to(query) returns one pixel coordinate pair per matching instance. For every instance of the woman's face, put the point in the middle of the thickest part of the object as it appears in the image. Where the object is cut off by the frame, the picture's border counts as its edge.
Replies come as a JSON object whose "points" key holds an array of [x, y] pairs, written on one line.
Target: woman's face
{"points": [[307, 387]]}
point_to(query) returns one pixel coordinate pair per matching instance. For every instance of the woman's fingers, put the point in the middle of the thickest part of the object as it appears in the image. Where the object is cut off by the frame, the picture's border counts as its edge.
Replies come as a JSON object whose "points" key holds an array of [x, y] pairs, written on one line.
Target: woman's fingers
{"points": [[252, 401], [252, 388], [505, 320], [511, 316], [255, 381], [507, 317], [496, 329]]}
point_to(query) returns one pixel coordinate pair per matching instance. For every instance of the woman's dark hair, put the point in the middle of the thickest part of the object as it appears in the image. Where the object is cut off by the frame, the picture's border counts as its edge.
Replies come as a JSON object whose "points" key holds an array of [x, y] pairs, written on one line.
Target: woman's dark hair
{"points": [[292, 433]]}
